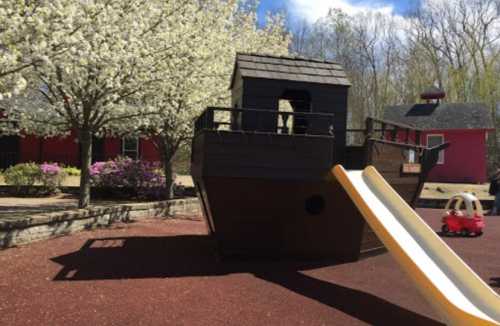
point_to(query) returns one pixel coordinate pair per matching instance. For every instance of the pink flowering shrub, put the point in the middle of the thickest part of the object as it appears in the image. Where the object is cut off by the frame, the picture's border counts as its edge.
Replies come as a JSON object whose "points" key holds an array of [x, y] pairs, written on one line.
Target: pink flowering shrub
{"points": [[131, 177], [51, 176]]}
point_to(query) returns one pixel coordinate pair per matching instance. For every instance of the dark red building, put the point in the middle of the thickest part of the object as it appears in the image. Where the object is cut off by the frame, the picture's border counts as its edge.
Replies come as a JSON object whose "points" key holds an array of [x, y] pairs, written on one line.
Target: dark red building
{"points": [[65, 150], [464, 125]]}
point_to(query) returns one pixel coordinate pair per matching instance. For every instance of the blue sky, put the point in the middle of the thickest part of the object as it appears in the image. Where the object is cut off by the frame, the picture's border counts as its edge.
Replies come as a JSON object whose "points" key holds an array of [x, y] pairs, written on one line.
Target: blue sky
{"points": [[313, 9]]}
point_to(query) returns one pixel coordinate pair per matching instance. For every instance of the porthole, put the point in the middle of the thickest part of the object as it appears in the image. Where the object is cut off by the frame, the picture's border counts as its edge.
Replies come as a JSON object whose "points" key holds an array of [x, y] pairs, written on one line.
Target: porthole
{"points": [[315, 205]]}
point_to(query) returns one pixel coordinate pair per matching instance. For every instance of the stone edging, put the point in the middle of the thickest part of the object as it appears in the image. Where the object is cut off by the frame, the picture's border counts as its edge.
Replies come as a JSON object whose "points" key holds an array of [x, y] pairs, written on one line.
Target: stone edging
{"points": [[45, 226]]}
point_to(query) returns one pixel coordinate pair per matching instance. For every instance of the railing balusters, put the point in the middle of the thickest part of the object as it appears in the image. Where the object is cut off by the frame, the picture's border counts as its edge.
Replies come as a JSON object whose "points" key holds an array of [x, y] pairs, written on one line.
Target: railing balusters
{"points": [[394, 133], [261, 120]]}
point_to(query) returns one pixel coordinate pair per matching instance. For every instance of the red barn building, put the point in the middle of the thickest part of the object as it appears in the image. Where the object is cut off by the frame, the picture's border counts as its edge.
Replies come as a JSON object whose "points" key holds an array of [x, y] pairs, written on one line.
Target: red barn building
{"points": [[464, 125], [66, 150]]}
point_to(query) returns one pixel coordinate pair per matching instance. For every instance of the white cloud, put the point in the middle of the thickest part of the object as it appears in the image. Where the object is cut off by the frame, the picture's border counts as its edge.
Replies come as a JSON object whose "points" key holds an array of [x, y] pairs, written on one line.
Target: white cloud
{"points": [[311, 10]]}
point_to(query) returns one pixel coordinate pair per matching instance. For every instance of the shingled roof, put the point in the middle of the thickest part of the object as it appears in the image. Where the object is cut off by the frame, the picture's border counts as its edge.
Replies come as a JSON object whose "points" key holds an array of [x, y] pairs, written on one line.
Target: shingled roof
{"points": [[441, 116], [290, 68]]}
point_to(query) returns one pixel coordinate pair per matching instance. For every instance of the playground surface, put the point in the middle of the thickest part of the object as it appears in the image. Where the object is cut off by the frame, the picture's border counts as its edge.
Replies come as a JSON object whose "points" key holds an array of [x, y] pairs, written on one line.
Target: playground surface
{"points": [[157, 272]]}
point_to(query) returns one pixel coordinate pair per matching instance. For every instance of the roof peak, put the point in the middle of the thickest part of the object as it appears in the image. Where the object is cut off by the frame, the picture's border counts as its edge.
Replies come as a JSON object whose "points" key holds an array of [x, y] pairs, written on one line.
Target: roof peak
{"points": [[288, 57]]}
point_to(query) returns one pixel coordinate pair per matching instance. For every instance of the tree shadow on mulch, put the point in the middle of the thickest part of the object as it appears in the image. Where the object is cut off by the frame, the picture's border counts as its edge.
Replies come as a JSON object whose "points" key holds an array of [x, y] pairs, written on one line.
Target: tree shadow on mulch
{"points": [[195, 255]]}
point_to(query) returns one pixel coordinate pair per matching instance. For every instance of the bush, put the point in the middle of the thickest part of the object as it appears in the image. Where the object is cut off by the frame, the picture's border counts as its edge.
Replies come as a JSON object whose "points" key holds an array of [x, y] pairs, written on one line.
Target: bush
{"points": [[131, 178], [72, 171], [51, 177], [23, 177]]}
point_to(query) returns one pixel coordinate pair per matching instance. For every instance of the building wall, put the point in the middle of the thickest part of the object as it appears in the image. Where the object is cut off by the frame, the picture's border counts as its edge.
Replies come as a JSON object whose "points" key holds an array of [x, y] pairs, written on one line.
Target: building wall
{"points": [[465, 161], [60, 149], [66, 149], [112, 148], [29, 149], [148, 150]]}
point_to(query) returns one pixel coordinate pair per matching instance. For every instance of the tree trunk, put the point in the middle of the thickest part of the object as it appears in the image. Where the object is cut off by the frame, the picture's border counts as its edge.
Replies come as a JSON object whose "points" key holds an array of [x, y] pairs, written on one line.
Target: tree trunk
{"points": [[167, 151], [169, 176], [86, 160]]}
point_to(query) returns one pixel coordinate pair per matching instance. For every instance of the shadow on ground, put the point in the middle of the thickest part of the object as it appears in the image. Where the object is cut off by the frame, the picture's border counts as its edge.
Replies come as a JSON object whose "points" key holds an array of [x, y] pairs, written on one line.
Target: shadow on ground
{"points": [[495, 282], [194, 255]]}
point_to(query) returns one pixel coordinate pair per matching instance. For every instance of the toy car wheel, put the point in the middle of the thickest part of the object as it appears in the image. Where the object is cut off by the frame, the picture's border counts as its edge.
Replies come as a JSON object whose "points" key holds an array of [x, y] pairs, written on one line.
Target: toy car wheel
{"points": [[464, 233], [445, 229]]}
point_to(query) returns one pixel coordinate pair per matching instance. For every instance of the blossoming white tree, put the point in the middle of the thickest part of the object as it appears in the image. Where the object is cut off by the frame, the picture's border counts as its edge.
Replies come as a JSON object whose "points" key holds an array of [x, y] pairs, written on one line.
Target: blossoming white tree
{"points": [[109, 66], [200, 68], [113, 52], [28, 35]]}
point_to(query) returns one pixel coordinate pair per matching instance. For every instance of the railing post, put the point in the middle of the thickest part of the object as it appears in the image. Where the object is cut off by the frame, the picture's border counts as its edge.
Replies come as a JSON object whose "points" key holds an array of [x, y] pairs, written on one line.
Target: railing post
{"points": [[284, 118], [238, 119], [417, 137], [394, 133], [331, 127]]}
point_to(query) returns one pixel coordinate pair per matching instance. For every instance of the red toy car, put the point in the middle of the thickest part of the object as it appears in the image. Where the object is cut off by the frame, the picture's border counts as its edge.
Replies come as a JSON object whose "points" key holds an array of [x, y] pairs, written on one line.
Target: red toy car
{"points": [[465, 223]]}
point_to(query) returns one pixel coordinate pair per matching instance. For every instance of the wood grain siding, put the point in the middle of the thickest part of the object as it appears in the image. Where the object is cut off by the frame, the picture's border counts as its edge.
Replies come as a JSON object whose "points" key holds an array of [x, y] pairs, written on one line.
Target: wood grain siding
{"points": [[267, 218], [355, 158], [388, 160], [234, 154]]}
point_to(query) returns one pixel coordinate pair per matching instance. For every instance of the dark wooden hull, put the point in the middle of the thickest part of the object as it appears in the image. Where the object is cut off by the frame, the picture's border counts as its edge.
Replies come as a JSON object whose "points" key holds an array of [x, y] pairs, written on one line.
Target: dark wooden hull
{"points": [[254, 207], [286, 218]]}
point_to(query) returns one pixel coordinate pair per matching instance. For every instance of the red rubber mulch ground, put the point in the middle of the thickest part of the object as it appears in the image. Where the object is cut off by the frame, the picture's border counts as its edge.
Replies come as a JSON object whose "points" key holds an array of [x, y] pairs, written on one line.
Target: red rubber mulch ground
{"points": [[165, 273]]}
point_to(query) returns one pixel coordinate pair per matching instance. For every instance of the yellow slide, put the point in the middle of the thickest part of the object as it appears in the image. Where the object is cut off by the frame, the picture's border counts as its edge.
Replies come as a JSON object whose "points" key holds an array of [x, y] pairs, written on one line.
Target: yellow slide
{"points": [[453, 289]]}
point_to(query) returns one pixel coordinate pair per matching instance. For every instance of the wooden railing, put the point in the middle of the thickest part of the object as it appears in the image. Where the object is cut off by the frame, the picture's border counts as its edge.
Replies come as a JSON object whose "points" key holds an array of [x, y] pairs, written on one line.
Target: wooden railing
{"points": [[272, 121], [392, 131]]}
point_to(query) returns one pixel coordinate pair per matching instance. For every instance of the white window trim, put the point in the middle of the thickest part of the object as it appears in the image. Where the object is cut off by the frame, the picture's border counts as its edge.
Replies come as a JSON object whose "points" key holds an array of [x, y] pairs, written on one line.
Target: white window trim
{"points": [[136, 147], [441, 152]]}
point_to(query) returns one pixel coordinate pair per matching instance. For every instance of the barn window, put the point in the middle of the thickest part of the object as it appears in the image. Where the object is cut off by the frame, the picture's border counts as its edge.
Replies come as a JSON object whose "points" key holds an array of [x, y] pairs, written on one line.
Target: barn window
{"points": [[130, 147], [436, 140]]}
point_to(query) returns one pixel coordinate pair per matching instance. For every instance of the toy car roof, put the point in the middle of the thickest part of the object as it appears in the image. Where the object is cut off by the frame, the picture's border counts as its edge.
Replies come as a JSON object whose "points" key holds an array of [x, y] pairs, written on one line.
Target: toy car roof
{"points": [[471, 203]]}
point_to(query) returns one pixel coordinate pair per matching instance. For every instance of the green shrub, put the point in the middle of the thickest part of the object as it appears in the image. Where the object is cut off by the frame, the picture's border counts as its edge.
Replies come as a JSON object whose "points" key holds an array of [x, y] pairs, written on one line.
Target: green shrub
{"points": [[72, 171], [22, 175]]}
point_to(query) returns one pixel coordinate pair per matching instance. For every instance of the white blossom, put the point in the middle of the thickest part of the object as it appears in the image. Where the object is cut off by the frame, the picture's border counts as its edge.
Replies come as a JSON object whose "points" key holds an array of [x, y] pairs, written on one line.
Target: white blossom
{"points": [[124, 66]]}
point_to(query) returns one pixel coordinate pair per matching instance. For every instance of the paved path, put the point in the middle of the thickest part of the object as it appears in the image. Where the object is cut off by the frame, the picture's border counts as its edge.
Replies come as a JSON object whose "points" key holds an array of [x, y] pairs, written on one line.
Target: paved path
{"points": [[166, 273]]}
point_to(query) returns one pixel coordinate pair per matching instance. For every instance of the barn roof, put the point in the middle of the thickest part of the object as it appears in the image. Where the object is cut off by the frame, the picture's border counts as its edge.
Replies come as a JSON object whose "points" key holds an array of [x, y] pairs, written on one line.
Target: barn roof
{"points": [[441, 116], [290, 68]]}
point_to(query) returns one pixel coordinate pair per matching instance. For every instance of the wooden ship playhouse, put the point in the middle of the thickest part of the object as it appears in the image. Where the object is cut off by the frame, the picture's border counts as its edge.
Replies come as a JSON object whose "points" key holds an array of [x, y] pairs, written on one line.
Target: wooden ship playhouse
{"points": [[262, 174]]}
